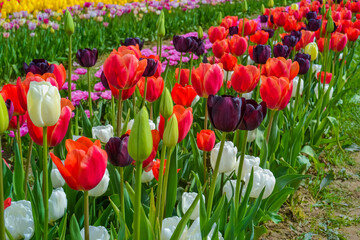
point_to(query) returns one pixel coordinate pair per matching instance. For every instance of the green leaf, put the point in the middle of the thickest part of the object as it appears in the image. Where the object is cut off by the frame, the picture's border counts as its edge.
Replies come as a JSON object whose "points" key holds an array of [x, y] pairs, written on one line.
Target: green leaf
{"points": [[215, 217], [327, 180], [85, 123], [259, 231], [172, 184], [74, 229], [18, 177], [283, 181], [62, 228]]}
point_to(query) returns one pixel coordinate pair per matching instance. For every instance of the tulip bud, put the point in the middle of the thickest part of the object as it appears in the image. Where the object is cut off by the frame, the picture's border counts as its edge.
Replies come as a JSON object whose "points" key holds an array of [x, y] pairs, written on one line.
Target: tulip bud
{"points": [[323, 9], [171, 132], [200, 32], [244, 6], [294, 6], [69, 23], [346, 51], [219, 20], [262, 9], [4, 116], [271, 3], [140, 140], [161, 25], [312, 50], [328, 14], [117, 150], [330, 25], [166, 104], [284, 3]]}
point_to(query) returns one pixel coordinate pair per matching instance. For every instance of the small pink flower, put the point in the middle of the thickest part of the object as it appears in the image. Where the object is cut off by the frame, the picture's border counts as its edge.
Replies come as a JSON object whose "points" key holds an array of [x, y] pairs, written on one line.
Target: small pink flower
{"points": [[106, 24], [87, 112], [80, 71], [74, 77], [65, 86], [6, 34], [106, 95], [94, 96], [98, 73], [99, 87], [23, 131]]}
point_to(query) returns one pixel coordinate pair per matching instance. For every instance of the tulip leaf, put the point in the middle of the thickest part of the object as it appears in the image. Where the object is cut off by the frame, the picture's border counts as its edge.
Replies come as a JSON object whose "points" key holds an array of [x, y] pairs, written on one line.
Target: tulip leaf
{"points": [[85, 123], [242, 208], [102, 219], [8, 234], [62, 228], [18, 177], [283, 181], [277, 199], [230, 228], [37, 207], [199, 166], [214, 218], [74, 228], [124, 127], [172, 184], [8, 178]]}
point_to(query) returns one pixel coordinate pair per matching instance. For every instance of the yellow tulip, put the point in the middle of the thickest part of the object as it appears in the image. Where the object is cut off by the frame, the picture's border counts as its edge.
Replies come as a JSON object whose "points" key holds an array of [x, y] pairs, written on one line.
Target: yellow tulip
{"points": [[312, 50]]}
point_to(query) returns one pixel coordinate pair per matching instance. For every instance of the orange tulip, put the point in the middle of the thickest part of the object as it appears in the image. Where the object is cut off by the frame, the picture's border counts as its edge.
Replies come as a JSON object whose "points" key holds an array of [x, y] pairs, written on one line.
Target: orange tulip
{"points": [[276, 92], [205, 140], [238, 45], [217, 33], [220, 47], [245, 78], [207, 79], [229, 21], [280, 67], [155, 87], [260, 37], [85, 163], [228, 61], [183, 96], [290, 24], [249, 27]]}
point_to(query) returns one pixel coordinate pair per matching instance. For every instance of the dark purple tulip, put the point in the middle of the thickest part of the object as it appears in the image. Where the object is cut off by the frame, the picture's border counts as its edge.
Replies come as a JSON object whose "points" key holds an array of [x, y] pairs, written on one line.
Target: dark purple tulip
{"points": [[313, 24], [117, 150], [289, 41], [264, 18], [205, 59], [261, 53], [104, 81], [39, 66], [134, 42], [281, 51], [151, 67], [254, 115], [233, 30], [270, 31], [231, 107], [272, 19], [194, 44], [296, 34], [304, 62], [10, 108], [87, 57], [184, 44], [338, 1], [311, 15]]}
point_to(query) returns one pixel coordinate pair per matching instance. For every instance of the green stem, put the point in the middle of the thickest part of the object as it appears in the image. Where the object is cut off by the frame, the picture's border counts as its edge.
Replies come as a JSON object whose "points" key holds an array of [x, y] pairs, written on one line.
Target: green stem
{"points": [[151, 111], [309, 85], [45, 182], [137, 200], [226, 80], [205, 153], [165, 183], [272, 114], [214, 176], [86, 215], [134, 105], [2, 221], [27, 167], [119, 116], [69, 67], [243, 26], [297, 97], [145, 89], [76, 123], [122, 201], [241, 164], [160, 49], [191, 66], [257, 89], [112, 110], [89, 97], [160, 182], [19, 139], [179, 75]]}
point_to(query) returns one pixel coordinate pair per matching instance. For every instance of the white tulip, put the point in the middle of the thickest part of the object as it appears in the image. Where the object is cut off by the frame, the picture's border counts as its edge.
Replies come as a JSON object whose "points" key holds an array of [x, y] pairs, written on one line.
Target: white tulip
{"points": [[316, 90], [56, 178], [228, 157], [196, 99], [229, 74], [103, 133], [247, 95], [229, 189], [147, 176], [75, 137], [168, 228], [187, 199], [96, 233], [262, 178], [57, 204], [251, 135], [249, 163], [295, 84], [19, 220], [101, 188], [131, 123], [43, 102], [194, 232], [250, 61], [316, 68]]}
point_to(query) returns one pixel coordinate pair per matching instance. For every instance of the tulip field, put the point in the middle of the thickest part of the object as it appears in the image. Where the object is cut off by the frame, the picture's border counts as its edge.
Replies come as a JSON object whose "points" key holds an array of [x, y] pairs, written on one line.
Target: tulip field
{"points": [[187, 119]]}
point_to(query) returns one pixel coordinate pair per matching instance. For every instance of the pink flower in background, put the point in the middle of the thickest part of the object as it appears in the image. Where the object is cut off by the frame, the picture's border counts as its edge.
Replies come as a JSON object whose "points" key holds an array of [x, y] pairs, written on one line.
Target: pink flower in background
{"points": [[99, 87], [106, 24], [98, 73], [6, 34], [95, 96], [80, 71], [66, 84], [106, 95], [74, 77], [23, 131], [87, 112]]}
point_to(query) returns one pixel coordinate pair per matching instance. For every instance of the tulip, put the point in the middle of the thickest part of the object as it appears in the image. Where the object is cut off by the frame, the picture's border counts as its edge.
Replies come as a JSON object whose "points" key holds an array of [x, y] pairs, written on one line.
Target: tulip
{"points": [[200, 32], [220, 47], [249, 27], [9, 92], [205, 140], [289, 41], [304, 62], [194, 231], [311, 15], [260, 37], [166, 104], [168, 227], [312, 50], [19, 220], [184, 118], [264, 18], [280, 67], [229, 189], [43, 103], [249, 163], [280, 18], [4, 117], [245, 78], [101, 188], [233, 30], [281, 50], [229, 21], [306, 38], [69, 23], [228, 157], [327, 86], [10, 108], [228, 61], [154, 88], [327, 78], [183, 95], [56, 179], [133, 42], [160, 24], [297, 81], [57, 204], [352, 34], [39, 66], [117, 151], [217, 33], [103, 133], [184, 44], [96, 233], [104, 81], [254, 115], [171, 132], [276, 92], [262, 178], [261, 53], [207, 79], [147, 176], [87, 57], [338, 41], [184, 76], [131, 123], [60, 75], [187, 199], [270, 31], [151, 67], [313, 24]]}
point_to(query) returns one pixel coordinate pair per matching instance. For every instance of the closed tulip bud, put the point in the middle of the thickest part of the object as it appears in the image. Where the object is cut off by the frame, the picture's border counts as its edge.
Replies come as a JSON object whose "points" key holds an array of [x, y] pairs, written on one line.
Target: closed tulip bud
{"points": [[304, 62], [99, 232], [166, 104], [261, 53], [161, 26], [200, 32], [284, 3], [4, 116], [294, 6], [57, 204], [330, 25], [140, 140], [329, 14], [270, 3], [263, 178], [244, 6], [262, 9], [117, 150], [171, 132], [220, 17], [69, 23], [43, 103], [254, 115], [312, 50]]}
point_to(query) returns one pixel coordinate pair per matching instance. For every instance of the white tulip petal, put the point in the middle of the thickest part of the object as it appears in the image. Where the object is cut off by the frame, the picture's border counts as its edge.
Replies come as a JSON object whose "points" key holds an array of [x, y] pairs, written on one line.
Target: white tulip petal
{"points": [[101, 188], [19, 220], [57, 204], [96, 233]]}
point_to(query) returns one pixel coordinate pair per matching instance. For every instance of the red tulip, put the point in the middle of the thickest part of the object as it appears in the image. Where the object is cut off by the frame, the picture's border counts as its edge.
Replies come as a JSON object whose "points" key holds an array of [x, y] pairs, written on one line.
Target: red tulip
{"points": [[280, 67], [185, 119], [352, 34], [290, 24], [280, 18], [217, 33], [207, 79], [14, 121], [184, 76], [249, 28], [156, 139], [126, 94], [238, 45], [85, 163], [60, 75], [229, 21], [260, 37], [245, 78], [338, 41], [183, 96], [276, 92], [9, 91], [321, 44], [327, 79], [228, 61], [155, 87], [56, 133], [7, 203], [306, 38], [206, 140], [220, 47], [123, 71]]}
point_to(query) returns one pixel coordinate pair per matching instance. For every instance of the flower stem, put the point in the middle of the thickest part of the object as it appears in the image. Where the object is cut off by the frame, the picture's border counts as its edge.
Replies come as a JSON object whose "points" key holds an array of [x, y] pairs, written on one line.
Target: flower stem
{"points": [[119, 116], [179, 75], [243, 26], [214, 176], [2, 221], [134, 105], [241, 164], [160, 48], [160, 183], [69, 84], [165, 182], [86, 215], [27, 167], [89, 97], [45, 182], [145, 89], [76, 123], [137, 200], [122, 201], [19, 139], [307, 100], [272, 114], [191, 66], [112, 110], [205, 153], [297, 97]]}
